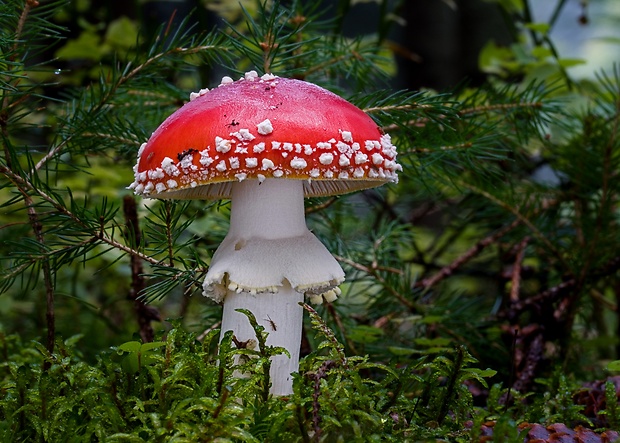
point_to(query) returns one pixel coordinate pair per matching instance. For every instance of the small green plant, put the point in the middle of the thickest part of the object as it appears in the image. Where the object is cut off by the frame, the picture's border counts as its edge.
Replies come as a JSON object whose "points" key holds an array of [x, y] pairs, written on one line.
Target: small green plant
{"points": [[612, 406], [181, 388], [138, 354]]}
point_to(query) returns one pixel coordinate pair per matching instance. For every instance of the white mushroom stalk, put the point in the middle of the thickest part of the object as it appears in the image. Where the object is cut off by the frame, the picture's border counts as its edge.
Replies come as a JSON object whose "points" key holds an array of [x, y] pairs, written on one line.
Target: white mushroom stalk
{"points": [[266, 264]]}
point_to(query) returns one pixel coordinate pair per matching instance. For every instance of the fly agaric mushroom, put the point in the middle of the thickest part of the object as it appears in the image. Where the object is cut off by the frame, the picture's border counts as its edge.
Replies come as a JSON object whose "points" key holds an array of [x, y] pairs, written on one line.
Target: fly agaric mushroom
{"points": [[265, 143]]}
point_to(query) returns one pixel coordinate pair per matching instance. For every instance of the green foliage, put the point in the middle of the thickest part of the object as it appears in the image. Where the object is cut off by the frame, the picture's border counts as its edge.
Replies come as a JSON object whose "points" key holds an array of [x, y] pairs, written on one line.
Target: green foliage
{"points": [[556, 405], [179, 391], [612, 409], [138, 355], [182, 389], [497, 249]]}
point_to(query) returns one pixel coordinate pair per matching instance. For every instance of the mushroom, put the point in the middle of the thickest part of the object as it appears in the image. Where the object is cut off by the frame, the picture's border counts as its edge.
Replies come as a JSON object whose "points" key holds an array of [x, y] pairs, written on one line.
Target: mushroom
{"points": [[265, 143]]}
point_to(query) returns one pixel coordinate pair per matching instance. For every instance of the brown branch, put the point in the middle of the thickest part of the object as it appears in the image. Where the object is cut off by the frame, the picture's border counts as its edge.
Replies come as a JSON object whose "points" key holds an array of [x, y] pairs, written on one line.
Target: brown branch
{"points": [[421, 122], [145, 314], [50, 317], [396, 108], [418, 122], [6, 105], [446, 271], [316, 208], [22, 19], [515, 287], [111, 137], [33, 217], [368, 269], [547, 296], [554, 293], [532, 358], [170, 242]]}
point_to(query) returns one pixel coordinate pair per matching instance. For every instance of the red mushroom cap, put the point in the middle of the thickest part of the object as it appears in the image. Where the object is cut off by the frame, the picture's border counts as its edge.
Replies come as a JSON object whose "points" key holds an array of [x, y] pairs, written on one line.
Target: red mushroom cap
{"points": [[267, 127]]}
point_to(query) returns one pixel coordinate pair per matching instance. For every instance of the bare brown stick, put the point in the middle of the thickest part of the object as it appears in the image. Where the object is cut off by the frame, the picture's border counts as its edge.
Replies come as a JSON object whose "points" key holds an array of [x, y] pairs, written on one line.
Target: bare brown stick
{"points": [[145, 314], [557, 292], [319, 207], [404, 107], [50, 317], [532, 358], [446, 271], [515, 287], [548, 296]]}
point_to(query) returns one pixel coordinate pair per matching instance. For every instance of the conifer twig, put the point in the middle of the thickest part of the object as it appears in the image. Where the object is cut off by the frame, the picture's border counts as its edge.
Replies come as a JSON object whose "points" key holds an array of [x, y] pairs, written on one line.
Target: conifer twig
{"points": [[525, 220], [465, 145], [322, 66], [33, 216], [27, 186], [111, 137], [499, 107], [375, 274], [119, 82], [392, 108], [422, 121]]}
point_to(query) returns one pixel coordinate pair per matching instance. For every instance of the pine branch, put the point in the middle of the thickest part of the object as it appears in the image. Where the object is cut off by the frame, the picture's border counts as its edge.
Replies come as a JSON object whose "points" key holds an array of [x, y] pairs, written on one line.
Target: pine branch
{"points": [[109, 91], [98, 232], [501, 107], [33, 216], [374, 272], [523, 218]]}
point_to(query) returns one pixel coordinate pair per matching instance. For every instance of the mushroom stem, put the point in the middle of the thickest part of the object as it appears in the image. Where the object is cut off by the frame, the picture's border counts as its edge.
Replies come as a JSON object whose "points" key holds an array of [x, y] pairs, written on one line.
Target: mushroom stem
{"points": [[282, 317], [271, 209], [267, 262]]}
